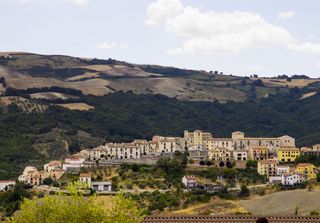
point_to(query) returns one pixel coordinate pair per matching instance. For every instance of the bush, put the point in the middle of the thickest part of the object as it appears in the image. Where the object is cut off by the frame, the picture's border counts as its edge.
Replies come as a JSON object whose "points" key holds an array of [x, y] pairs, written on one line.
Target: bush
{"points": [[75, 208], [314, 213], [221, 164], [209, 163], [244, 192], [202, 163], [47, 181]]}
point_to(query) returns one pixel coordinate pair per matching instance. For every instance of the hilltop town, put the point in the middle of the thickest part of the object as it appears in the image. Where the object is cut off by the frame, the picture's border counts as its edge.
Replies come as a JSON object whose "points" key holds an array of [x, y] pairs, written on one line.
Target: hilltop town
{"points": [[272, 158]]}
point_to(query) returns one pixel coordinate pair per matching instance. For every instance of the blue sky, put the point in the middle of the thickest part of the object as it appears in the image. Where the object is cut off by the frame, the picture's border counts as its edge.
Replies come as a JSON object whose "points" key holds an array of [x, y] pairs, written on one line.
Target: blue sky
{"points": [[240, 37]]}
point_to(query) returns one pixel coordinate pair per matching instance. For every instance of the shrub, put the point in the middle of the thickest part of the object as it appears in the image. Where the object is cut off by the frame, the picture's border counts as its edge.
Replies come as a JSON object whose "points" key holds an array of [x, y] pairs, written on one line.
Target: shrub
{"points": [[202, 163], [314, 213]]}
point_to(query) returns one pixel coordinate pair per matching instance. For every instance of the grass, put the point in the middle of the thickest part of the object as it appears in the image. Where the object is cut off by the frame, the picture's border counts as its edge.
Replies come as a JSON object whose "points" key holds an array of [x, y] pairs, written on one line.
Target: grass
{"points": [[77, 106], [284, 203]]}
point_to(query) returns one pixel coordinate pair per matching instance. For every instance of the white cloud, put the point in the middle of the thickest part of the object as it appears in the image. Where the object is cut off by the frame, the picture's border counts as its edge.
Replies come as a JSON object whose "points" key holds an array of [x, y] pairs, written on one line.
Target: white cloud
{"points": [[286, 15], [161, 10], [112, 45], [77, 2], [210, 32], [318, 64], [306, 47]]}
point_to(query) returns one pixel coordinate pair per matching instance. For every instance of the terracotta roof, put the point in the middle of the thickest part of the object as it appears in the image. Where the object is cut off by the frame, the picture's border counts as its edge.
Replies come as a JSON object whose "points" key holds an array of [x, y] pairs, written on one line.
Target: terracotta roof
{"points": [[304, 164], [85, 174], [7, 181], [191, 178], [229, 219], [289, 149]]}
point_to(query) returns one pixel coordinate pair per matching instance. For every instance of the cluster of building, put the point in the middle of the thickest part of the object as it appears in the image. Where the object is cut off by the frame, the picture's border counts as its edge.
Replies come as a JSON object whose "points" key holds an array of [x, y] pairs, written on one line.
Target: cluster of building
{"points": [[32, 176], [281, 170], [199, 144], [270, 153]]}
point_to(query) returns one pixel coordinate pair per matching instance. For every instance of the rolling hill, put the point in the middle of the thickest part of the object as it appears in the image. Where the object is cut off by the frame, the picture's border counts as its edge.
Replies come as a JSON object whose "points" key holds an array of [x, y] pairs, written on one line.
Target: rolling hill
{"points": [[52, 106], [100, 77]]}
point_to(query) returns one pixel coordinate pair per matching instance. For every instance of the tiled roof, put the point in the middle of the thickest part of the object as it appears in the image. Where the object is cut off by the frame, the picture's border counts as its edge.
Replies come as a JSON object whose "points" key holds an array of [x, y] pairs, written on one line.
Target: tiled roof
{"points": [[289, 149], [228, 219], [85, 175]]}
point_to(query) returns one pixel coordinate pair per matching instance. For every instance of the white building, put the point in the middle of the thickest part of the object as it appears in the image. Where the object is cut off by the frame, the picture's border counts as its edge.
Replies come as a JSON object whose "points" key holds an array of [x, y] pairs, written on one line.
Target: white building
{"points": [[53, 165], [85, 178], [73, 163], [6, 185], [282, 170], [102, 186], [189, 181], [291, 179]]}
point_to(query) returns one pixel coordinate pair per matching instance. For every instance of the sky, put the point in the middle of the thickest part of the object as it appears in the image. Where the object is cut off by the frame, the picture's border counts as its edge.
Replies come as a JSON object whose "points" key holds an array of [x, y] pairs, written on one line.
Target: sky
{"points": [[239, 37]]}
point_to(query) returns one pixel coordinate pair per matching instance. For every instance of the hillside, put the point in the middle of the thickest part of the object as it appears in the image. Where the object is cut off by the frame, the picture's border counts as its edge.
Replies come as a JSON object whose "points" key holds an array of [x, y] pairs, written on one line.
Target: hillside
{"points": [[101, 77], [55, 105]]}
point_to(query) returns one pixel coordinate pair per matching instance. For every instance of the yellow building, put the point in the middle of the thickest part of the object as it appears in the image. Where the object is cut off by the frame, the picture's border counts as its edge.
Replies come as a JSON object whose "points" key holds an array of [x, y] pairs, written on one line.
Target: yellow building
{"points": [[307, 170], [267, 167], [288, 154]]}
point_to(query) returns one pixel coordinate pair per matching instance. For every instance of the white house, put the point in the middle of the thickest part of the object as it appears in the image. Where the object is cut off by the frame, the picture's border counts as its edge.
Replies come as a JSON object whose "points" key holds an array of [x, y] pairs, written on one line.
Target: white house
{"points": [[85, 178], [73, 163], [6, 184], [291, 179], [282, 169], [189, 181], [53, 165], [101, 186]]}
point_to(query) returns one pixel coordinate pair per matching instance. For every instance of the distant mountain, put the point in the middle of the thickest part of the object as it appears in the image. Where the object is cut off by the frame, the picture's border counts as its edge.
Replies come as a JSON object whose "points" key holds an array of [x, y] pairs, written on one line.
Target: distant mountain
{"points": [[99, 77]]}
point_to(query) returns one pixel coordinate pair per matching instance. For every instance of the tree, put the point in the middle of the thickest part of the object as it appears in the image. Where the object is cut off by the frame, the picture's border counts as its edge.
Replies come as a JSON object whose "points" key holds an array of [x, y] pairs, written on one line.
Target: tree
{"points": [[221, 164], [229, 164], [75, 208], [258, 83], [244, 192], [251, 164], [47, 181], [296, 211], [202, 162]]}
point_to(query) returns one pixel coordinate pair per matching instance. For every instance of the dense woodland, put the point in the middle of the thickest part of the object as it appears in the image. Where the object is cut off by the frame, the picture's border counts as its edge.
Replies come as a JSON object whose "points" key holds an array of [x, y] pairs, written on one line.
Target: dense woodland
{"points": [[127, 116]]}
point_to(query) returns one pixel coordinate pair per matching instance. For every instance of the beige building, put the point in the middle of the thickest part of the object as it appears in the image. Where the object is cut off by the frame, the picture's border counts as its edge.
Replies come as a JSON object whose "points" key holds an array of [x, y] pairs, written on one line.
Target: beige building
{"points": [[226, 143], [220, 154], [115, 151], [32, 176], [197, 137], [168, 144], [240, 155], [273, 144], [258, 153], [53, 165], [316, 147]]}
